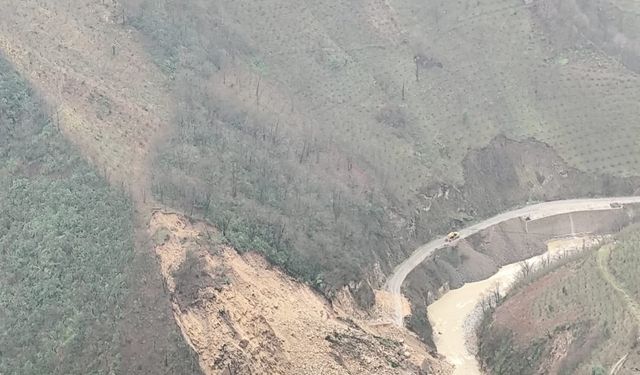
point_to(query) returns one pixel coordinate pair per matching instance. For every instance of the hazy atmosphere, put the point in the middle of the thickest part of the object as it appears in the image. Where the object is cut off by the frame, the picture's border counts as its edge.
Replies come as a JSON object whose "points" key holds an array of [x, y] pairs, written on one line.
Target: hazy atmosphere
{"points": [[320, 187]]}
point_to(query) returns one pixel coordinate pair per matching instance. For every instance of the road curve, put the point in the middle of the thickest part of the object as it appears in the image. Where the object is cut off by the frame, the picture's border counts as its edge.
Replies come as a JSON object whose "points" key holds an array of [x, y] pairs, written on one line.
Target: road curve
{"points": [[535, 211]]}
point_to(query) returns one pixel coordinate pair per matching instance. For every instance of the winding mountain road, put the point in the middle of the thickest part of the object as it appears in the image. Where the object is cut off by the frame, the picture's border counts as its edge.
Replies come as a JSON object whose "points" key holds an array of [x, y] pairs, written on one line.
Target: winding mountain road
{"points": [[535, 211]]}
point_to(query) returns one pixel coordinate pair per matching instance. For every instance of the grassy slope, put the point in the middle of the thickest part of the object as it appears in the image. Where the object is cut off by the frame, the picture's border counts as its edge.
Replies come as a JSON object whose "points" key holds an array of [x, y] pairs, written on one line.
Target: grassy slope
{"points": [[573, 301], [341, 64], [67, 248], [294, 134], [623, 262]]}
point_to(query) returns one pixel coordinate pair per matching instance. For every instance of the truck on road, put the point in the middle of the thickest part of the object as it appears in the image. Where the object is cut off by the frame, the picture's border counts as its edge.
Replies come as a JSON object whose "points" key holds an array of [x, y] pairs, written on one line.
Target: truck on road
{"points": [[452, 236]]}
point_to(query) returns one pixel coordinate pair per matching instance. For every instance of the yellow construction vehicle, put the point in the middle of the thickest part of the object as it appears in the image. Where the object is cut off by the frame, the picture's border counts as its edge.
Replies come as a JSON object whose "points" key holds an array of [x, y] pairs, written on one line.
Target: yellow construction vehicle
{"points": [[452, 236]]}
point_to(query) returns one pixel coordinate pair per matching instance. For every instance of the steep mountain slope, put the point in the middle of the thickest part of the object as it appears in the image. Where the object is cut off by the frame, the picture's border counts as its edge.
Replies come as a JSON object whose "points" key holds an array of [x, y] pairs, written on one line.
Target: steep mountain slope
{"points": [[611, 26], [584, 313], [324, 133], [104, 94], [66, 253], [99, 91], [331, 136], [243, 316]]}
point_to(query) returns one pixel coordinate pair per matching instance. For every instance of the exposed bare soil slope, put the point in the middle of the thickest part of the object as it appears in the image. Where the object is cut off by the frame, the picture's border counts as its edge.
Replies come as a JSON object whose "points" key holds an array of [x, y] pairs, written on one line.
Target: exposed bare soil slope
{"points": [[243, 316]]}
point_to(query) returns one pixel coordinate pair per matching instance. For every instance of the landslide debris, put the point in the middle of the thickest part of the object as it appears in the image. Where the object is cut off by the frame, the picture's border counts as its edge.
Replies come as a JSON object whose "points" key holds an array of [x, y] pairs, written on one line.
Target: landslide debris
{"points": [[242, 315]]}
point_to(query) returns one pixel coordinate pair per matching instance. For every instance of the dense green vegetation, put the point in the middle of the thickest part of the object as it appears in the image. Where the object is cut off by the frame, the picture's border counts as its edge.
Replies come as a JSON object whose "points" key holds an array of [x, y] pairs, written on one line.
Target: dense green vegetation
{"points": [[66, 248], [66, 239]]}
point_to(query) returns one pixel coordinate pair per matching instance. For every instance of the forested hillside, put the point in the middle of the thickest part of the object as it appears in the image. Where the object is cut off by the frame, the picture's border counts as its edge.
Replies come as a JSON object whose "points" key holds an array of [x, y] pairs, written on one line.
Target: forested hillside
{"points": [[66, 251], [336, 137]]}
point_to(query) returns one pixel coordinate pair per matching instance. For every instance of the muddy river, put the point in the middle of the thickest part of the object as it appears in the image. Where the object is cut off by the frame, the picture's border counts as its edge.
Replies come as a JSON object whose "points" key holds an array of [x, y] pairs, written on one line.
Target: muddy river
{"points": [[455, 315]]}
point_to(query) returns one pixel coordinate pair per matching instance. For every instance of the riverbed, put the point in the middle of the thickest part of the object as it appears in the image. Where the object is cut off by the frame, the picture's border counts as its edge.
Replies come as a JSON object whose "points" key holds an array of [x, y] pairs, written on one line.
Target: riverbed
{"points": [[456, 314]]}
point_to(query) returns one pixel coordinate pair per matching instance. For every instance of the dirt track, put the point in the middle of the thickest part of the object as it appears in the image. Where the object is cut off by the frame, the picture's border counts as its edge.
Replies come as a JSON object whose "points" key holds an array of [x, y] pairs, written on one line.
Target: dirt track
{"points": [[537, 211], [603, 264]]}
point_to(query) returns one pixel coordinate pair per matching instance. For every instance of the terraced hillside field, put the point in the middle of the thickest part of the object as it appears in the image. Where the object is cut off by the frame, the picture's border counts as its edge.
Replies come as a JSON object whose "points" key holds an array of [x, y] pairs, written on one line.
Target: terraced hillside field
{"points": [[469, 70]]}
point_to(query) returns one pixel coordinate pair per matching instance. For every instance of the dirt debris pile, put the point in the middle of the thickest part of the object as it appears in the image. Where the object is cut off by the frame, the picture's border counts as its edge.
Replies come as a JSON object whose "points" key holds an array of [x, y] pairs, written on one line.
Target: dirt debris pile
{"points": [[242, 316]]}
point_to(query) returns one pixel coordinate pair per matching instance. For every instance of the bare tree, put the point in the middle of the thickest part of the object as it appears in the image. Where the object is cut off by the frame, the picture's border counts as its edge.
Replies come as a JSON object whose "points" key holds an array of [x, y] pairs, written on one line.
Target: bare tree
{"points": [[336, 205], [496, 295], [525, 269], [546, 261], [258, 92], [234, 179]]}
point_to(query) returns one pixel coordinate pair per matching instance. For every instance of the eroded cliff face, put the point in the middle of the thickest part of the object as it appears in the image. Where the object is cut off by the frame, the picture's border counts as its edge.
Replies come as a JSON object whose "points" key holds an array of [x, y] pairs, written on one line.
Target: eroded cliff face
{"points": [[243, 316]]}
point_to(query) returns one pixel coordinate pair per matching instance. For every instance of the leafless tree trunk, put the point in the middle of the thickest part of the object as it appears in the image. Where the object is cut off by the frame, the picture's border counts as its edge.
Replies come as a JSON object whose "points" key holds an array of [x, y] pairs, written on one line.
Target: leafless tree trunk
{"points": [[495, 294], [525, 269], [234, 180], [546, 261], [336, 205], [258, 92]]}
